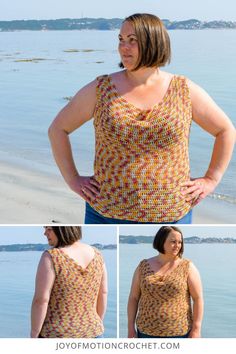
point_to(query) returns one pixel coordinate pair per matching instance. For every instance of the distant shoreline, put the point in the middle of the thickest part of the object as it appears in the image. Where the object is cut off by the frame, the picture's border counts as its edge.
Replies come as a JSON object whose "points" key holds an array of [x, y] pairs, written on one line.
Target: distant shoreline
{"points": [[129, 239], [104, 24], [43, 247]]}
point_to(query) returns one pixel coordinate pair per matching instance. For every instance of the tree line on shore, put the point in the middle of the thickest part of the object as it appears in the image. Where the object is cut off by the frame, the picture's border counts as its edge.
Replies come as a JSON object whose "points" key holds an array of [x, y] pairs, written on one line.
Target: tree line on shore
{"points": [[105, 24]]}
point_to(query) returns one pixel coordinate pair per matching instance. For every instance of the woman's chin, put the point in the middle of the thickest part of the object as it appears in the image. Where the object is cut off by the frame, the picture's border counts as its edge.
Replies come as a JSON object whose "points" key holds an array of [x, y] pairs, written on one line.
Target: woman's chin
{"points": [[176, 253], [128, 66]]}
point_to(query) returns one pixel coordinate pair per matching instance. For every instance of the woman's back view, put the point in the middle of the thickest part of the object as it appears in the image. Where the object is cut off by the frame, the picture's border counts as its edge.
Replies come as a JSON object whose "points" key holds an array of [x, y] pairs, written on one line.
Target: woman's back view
{"points": [[75, 279], [72, 306]]}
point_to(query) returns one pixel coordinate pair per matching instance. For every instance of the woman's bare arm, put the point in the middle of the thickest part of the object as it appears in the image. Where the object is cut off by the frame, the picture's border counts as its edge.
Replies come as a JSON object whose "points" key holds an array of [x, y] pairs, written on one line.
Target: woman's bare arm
{"points": [[133, 304], [102, 295], [45, 278], [212, 119], [78, 111], [195, 289]]}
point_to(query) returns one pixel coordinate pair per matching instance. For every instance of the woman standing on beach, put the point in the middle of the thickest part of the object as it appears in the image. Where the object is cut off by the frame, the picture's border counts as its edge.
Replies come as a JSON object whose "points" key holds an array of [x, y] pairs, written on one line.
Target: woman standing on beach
{"points": [[71, 288], [162, 288], [142, 118]]}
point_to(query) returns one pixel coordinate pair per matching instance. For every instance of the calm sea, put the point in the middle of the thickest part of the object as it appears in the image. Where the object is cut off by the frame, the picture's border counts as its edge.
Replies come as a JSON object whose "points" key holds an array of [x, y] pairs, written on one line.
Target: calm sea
{"points": [[17, 277], [217, 266], [32, 92]]}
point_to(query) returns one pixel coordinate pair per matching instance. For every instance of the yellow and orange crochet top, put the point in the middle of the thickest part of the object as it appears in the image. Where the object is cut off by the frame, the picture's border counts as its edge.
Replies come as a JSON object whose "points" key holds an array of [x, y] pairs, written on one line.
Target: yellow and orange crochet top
{"points": [[141, 156], [164, 305], [72, 307]]}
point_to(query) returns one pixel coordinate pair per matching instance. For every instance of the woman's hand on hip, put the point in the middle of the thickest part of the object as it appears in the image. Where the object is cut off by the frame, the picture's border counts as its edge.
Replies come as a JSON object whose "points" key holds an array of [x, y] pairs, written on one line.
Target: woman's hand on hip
{"points": [[87, 187], [197, 189]]}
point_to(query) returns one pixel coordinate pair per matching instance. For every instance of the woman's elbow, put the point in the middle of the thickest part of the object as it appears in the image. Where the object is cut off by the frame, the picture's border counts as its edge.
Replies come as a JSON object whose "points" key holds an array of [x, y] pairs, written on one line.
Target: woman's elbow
{"points": [[52, 130], [198, 299], [229, 132], [233, 133], [104, 292], [40, 301], [133, 299], [56, 132]]}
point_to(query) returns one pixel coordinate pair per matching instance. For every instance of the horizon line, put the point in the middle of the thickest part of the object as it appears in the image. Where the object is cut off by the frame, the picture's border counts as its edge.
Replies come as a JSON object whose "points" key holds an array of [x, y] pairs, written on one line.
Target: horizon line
{"points": [[109, 18]]}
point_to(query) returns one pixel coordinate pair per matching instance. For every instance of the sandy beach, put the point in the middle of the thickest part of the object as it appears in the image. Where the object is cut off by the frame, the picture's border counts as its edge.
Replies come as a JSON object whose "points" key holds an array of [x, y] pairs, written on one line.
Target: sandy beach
{"points": [[32, 197]]}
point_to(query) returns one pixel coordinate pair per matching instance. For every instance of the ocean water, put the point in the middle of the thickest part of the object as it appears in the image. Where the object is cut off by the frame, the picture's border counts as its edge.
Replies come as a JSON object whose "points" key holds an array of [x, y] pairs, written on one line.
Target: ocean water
{"points": [[217, 266], [32, 92], [17, 277]]}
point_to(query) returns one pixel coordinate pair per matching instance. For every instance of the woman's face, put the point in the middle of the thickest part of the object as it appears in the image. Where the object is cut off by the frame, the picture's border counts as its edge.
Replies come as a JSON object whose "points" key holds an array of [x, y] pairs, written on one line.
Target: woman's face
{"points": [[51, 236], [173, 244], [128, 46]]}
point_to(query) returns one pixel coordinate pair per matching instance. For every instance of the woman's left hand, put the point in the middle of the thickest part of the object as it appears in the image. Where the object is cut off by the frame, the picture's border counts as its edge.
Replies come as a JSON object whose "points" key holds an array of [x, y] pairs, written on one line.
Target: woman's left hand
{"points": [[197, 189], [194, 333]]}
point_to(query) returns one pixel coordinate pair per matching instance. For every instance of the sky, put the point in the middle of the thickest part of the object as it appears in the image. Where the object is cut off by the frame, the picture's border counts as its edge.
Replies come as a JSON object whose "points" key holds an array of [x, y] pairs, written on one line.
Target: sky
{"points": [[35, 234], [187, 230], [204, 10]]}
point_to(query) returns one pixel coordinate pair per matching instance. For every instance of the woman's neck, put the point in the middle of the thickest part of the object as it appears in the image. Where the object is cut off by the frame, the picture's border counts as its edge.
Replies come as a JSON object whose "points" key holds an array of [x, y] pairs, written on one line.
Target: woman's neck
{"points": [[143, 76], [76, 244], [164, 258]]}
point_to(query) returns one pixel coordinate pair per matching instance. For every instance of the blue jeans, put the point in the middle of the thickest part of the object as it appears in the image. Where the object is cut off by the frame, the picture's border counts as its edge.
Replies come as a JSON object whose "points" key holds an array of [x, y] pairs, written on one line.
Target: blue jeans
{"points": [[144, 335], [101, 336], [93, 217]]}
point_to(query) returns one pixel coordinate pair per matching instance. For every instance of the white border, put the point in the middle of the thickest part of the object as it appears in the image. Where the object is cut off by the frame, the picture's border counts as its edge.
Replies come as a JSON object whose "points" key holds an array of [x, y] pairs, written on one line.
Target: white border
{"points": [[115, 346]]}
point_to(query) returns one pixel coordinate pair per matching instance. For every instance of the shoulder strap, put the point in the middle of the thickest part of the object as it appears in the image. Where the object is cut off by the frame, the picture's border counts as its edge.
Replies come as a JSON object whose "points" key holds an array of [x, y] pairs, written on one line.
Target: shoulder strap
{"points": [[55, 256], [183, 88], [98, 255], [185, 267], [142, 267], [102, 83]]}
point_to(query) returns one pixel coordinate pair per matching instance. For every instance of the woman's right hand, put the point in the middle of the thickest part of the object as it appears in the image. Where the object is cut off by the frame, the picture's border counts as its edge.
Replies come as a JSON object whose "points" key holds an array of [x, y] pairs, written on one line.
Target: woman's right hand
{"points": [[132, 333], [87, 187]]}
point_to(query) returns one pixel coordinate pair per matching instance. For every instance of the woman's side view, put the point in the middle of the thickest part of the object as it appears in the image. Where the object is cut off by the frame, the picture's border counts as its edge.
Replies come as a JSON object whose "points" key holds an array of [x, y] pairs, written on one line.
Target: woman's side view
{"points": [[162, 289], [71, 288], [142, 118]]}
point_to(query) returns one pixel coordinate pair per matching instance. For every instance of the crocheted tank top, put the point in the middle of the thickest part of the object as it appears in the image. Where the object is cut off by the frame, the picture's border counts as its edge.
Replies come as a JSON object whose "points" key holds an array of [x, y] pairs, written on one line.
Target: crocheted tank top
{"points": [[141, 156], [164, 305], [72, 307]]}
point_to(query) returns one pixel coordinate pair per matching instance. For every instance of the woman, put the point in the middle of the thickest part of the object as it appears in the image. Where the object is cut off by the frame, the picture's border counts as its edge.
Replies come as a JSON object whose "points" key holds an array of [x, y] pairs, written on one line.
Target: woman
{"points": [[161, 292], [71, 288], [142, 117]]}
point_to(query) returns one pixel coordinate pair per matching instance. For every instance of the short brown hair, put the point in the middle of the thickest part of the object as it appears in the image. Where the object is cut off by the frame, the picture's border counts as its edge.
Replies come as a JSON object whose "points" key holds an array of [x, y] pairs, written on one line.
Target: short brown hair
{"points": [[67, 235], [153, 40], [161, 236]]}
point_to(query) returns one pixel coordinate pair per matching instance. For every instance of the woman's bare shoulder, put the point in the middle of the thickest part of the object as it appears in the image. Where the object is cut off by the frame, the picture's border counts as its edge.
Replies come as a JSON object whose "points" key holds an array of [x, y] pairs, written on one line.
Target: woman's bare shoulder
{"points": [[166, 76], [47, 254], [192, 269], [46, 261], [196, 90], [90, 87], [117, 74], [146, 261]]}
